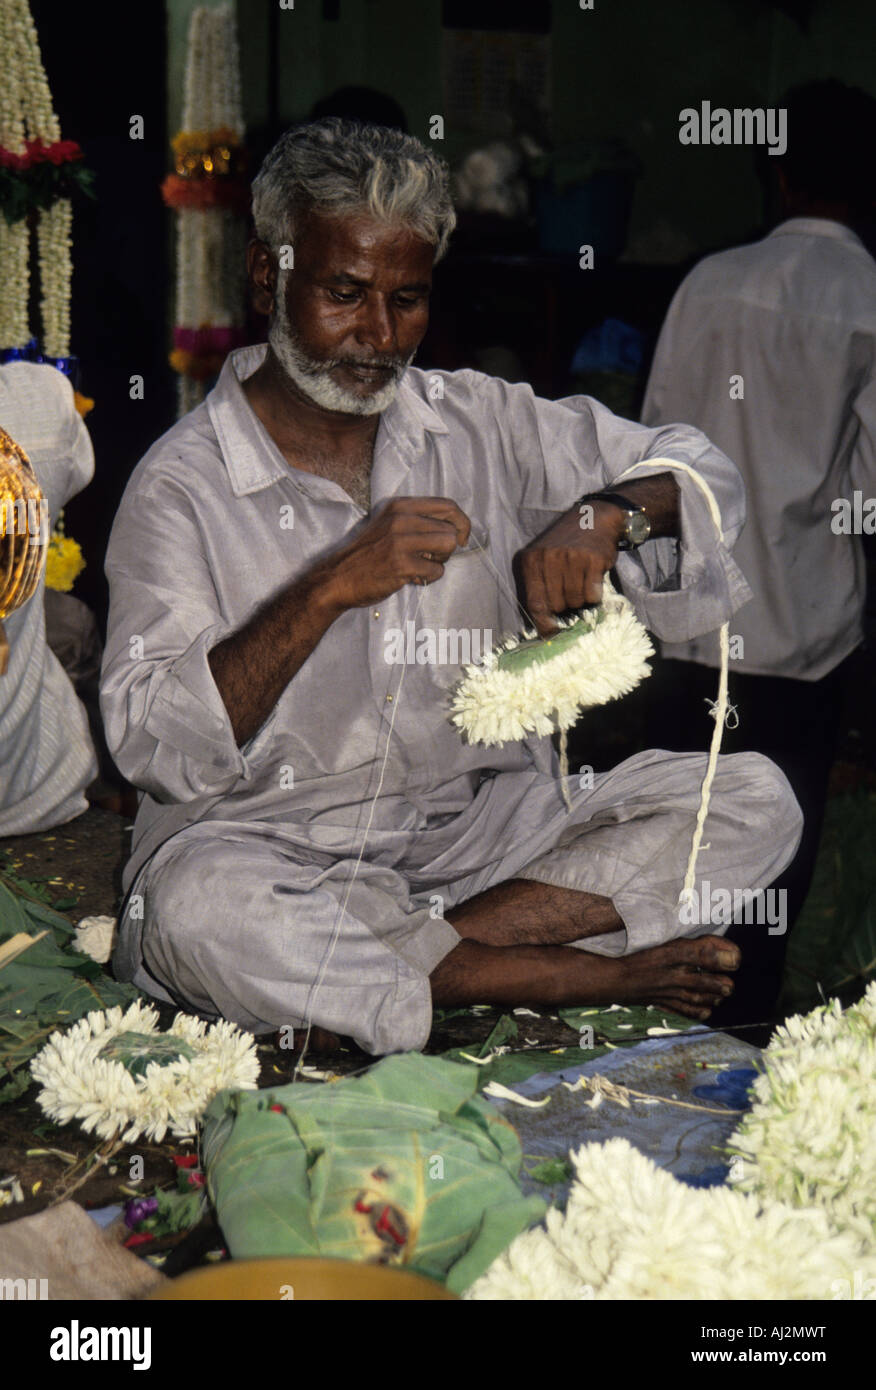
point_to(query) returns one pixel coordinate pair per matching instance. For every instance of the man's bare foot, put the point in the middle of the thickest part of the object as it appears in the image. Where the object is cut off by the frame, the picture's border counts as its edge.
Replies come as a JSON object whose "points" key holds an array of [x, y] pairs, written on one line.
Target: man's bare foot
{"points": [[688, 976]]}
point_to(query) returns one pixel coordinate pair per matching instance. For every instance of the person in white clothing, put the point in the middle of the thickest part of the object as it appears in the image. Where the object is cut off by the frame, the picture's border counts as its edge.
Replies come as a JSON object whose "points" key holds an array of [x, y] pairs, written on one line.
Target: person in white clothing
{"points": [[770, 350]]}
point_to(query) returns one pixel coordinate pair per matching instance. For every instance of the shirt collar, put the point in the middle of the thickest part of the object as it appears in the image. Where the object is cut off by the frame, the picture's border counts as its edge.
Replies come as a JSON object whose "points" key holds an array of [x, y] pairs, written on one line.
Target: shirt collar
{"points": [[253, 460], [817, 226]]}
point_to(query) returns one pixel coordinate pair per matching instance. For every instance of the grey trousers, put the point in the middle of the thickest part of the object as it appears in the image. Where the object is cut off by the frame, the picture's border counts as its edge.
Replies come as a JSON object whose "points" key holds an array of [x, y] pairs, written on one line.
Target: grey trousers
{"points": [[240, 921]]}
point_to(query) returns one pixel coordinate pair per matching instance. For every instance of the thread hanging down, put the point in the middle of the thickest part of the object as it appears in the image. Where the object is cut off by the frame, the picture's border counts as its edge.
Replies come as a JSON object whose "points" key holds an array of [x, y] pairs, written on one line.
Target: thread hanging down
{"points": [[720, 706]]}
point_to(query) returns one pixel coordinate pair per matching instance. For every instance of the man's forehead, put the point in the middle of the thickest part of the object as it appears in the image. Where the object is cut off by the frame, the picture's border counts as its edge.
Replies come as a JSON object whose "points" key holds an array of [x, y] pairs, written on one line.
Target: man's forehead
{"points": [[326, 239]]}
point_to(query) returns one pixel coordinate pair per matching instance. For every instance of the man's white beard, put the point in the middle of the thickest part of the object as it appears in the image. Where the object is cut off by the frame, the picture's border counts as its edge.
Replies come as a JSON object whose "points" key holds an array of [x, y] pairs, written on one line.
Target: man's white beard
{"points": [[313, 377]]}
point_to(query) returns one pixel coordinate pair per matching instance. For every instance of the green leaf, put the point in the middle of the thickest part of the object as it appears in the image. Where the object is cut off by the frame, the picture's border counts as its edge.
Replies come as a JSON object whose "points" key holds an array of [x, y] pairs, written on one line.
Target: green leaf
{"points": [[405, 1165], [15, 1087], [625, 1025], [136, 1051], [177, 1211], [49, 985], [551, 1170]]}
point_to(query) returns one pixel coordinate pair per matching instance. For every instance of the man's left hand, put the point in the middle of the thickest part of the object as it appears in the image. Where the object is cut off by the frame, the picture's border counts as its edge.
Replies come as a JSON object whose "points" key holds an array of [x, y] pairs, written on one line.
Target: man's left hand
{"points": [[564, 567]]}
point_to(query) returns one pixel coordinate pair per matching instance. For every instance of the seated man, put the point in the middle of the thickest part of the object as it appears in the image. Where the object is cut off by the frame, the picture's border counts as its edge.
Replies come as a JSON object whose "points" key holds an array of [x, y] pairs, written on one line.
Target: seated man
{"points": [[317, 843], [47, 757]]}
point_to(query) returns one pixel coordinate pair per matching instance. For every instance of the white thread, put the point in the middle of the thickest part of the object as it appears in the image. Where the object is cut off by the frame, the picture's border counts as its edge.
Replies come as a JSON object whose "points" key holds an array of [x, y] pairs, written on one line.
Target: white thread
{"points": [[720, 707]]}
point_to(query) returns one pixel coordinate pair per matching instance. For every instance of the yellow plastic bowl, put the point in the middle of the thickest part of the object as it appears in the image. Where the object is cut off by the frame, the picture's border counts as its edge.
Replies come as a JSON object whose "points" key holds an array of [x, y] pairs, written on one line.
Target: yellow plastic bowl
{"points": [[305, 1279]]}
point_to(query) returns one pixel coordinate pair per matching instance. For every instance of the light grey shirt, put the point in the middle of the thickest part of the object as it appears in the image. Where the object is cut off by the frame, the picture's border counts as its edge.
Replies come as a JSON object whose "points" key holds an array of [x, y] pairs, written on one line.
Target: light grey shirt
{"points": [[47, 758], [214, 522], [793, 316]]}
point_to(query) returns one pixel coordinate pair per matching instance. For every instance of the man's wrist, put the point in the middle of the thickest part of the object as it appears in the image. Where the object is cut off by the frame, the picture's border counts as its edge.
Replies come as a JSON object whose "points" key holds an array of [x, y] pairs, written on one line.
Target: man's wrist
{"points": [[316, 593], [632, 524]]}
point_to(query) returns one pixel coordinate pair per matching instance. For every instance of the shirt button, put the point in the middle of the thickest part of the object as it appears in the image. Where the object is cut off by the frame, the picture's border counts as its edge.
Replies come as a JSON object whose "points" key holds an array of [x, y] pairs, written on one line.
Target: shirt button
{"points": [[376, 613], [389, 699]]}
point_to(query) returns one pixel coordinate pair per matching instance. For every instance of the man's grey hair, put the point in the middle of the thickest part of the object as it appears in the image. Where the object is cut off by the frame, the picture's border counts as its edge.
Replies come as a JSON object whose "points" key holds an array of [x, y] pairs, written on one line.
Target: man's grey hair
{"points": [[336, 166]]}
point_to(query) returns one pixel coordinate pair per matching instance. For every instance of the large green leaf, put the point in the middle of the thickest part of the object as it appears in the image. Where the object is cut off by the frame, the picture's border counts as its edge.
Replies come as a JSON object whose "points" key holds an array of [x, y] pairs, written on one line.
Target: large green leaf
{"points": [[404, 1166], [48, 986]]}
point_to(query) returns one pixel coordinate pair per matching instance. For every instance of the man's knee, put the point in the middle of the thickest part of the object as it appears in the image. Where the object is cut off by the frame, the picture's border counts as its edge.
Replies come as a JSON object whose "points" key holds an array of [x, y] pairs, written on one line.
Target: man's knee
{"points": [[181, 892], [773, 796]]}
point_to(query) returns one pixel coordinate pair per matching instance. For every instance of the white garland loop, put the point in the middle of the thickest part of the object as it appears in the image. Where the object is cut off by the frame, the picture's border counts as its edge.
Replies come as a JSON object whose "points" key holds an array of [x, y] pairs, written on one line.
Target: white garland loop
{"points": [[79, 1084]]}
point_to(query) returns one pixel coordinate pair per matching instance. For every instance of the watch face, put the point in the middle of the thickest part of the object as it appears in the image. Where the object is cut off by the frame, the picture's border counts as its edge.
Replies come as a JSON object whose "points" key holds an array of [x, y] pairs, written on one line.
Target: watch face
{"points": [[639, 528]]}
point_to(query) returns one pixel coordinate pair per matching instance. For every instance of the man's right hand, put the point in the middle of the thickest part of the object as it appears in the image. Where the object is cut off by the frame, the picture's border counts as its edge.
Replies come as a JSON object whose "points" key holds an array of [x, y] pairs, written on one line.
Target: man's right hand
{"points": [[408, 541], [253, 666]]}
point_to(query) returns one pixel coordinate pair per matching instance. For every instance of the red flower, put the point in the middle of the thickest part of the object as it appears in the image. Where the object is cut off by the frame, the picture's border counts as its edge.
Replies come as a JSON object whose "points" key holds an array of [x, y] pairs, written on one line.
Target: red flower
{"points": [[9, 160], [59, 152], [186, 1160]]}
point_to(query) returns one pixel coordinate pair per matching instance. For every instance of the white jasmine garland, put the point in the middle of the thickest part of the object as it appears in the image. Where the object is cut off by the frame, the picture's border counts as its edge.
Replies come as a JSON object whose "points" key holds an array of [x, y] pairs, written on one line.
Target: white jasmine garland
{"points": [[107, 1100], [491, 705], [14, 283], [26, 113], [211, 241], [810, 1137], [55, 241], [632, 1231]]}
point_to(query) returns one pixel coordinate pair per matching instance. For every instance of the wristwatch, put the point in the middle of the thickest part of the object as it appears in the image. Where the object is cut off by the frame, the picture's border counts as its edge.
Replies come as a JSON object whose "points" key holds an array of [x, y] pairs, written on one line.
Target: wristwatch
{"points": [[637, 527]]}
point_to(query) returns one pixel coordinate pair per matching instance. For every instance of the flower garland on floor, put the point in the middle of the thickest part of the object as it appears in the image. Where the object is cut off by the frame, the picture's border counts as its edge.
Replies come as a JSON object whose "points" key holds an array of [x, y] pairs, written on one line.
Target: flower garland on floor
{"points": [[809, 1137], [122, 1078], [797, 1221], [210, 193], [632, 1231]]}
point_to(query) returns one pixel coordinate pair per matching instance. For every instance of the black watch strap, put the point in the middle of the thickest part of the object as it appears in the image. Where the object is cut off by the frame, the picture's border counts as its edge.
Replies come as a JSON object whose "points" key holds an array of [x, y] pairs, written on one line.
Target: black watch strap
{"points": [[616, 497]]}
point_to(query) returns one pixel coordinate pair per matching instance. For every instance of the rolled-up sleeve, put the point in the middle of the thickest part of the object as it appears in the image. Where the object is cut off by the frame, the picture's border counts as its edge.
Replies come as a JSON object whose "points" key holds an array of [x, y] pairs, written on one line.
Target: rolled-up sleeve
{"points": [[166, 723], [679, 588]]}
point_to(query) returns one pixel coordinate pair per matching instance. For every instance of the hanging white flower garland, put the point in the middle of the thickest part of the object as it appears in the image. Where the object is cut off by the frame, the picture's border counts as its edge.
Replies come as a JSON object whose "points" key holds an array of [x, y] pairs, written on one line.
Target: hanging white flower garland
{"points": [[122, 1078], [26, 114], [210, 196]]}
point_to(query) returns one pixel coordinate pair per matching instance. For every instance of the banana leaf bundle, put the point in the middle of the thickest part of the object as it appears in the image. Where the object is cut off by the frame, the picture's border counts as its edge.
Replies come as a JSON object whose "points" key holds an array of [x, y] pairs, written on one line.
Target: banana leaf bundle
{"points": [[403, 1166]]}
